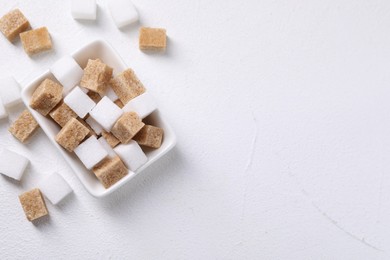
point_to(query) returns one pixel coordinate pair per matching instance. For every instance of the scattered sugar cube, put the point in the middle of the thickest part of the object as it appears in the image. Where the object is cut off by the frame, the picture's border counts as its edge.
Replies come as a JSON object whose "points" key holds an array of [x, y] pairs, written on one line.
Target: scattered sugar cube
{"points": [[106, 113], [13, 23], [119, 103], [10, 91], [68, 72], [110, 93], [72, 134], [127, 127], [110, 171], [150, 136], [143, 105], [152, 39], [55, 188], [62, 114], [33, 204], [107, 146], [96, 76], [94, 96], [79, 102], [84, 9], [131, 154], [47, 95], [123, 12], [110, 138], [24, 127], [36, 41], [127, 86], [12, 164], [90, 152], [3, 111], [97, 128], [91, 131]]}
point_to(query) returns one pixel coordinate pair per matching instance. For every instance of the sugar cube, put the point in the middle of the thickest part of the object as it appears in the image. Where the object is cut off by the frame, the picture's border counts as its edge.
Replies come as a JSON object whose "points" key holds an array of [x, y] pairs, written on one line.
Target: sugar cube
{"points": [[3, 111], [79, 102], [62, 114], [119, 103], [127, 127], [24, 127], [33, 204], [150, 136], [152, 39], [72, 134], [127, 86], [107, 146], [143, 105], [68, 72], [84, 9], [97, 128], [90, 130], [93, 95], [36, 41], [55, 188], [110, 138], [9, 91], [106, 113], [131, 154], [91, 152], [110, 171], [123, 12], [13, 23], [12, 164], [47, 95], [96, 76], [110, 93]]}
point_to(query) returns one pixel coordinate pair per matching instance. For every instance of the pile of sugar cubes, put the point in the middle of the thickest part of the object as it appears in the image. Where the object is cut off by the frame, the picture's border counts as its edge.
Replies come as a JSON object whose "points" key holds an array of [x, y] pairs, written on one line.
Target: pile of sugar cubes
{"points": [[34, 41], [100, 116]]}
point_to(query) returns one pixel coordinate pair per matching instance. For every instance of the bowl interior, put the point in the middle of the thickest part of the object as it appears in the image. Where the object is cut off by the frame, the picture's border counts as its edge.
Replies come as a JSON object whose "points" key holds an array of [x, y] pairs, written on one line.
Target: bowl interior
{"points": [[97, 49]]}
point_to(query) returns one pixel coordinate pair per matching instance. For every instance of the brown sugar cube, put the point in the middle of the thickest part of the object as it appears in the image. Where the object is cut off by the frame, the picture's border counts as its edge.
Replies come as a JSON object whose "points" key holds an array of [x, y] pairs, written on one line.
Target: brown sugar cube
{"points": [[110, 138], [150, 136], [91, 132], [72, 134], [110, 171], [13, 23], [119, 103], [94, 96], [46, 96], [33, 204], [36, 41], [24, 127], [152, 39], [127, 86], [127, 126], [62, 114], [96, 76]]}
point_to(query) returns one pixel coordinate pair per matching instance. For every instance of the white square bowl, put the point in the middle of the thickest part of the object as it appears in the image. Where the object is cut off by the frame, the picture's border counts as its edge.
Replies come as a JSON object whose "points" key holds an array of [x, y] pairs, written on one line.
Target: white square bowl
{"points": [[102, 50]]}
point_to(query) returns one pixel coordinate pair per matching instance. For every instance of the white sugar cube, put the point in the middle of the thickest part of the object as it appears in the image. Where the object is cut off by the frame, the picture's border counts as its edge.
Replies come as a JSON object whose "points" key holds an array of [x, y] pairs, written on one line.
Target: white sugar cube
{"points": [[106, 113], [12, 164], [79, 102], [123, 12], [84, 9], [55, 188], [90, 152], [68, 72], [131, 154], [10, 91], [111, 94], [3, 111], [143, 105], [106, 146], [94, 125]]}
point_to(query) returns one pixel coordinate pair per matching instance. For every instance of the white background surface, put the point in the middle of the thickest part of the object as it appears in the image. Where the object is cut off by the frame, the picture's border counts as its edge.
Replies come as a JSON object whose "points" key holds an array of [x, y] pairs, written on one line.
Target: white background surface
{"points": [[281, 109]]}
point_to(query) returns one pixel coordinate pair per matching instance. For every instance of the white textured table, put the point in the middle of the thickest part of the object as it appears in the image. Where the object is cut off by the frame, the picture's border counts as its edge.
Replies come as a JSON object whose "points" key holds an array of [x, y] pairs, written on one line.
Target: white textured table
{"points": [[281, 109]]}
